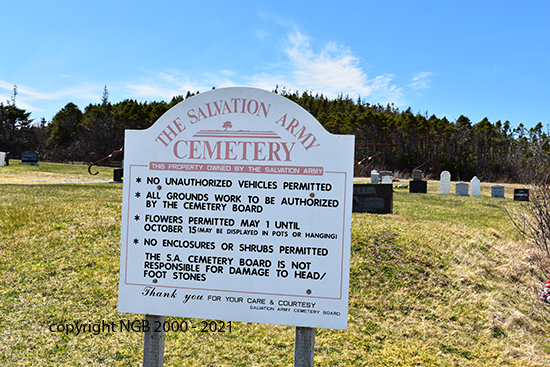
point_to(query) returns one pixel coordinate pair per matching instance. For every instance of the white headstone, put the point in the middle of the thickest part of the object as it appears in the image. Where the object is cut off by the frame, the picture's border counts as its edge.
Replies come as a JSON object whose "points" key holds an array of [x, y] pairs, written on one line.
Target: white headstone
{"points": [[445, 183], [374, 177], [385, 173], [497, 191], [387, 180], [476, 186], [2, 159], [461, 189]]}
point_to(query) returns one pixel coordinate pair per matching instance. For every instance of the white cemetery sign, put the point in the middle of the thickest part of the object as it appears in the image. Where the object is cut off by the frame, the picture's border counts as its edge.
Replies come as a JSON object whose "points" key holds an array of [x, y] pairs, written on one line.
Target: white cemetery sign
{"points": [[237, 206], [476, 186], [445, 183]]}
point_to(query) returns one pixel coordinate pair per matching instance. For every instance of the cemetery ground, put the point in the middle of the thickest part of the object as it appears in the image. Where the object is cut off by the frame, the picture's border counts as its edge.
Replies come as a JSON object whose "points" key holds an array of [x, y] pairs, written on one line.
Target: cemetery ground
{"points": [[444, 281]]}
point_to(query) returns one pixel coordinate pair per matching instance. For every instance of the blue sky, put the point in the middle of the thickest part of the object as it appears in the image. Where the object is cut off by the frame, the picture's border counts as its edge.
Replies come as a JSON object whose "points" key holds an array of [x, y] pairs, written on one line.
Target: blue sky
{"points": [[474, 58]]}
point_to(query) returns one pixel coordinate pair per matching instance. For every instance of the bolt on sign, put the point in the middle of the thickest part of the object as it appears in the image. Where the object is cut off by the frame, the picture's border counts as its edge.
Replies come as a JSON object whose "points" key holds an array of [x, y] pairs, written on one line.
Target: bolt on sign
{"points": [[237, 206]]}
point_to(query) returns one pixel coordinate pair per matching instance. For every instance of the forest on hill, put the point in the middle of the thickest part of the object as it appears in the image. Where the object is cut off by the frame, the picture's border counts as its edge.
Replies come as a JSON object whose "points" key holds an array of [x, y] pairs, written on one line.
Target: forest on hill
{"points": [[386, 138]]}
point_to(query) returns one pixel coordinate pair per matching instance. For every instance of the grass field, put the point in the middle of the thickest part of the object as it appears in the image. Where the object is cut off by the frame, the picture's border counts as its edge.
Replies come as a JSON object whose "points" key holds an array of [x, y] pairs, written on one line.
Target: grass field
{"points": [[46, 173], [444, 281]]}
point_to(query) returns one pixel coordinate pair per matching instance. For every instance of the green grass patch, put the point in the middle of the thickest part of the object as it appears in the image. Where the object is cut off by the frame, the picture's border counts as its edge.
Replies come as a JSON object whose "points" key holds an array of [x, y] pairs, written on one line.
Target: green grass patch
{"points": [[47, 172], [444, 281]]}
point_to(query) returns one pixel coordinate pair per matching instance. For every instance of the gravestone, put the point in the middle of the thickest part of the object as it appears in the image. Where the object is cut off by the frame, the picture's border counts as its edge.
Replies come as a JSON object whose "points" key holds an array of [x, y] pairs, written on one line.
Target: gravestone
{"points": [[476, 186], [521, 194], [387, 180], [385, 173], [497, 191], [374, 177], [417, 185], [117, 174], [373, 198], [29, 158], [461, 189], [445, 183], [2, 159]]}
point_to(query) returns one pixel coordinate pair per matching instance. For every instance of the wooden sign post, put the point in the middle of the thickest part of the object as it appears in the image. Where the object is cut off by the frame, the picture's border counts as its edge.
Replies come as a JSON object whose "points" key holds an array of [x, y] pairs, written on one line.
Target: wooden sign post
{"points": [[237, 206]]}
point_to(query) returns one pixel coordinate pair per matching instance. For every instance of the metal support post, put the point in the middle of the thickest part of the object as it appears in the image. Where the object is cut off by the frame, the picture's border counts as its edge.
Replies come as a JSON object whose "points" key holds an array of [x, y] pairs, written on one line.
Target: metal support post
{"points": [[153, 342], [304, 344]]}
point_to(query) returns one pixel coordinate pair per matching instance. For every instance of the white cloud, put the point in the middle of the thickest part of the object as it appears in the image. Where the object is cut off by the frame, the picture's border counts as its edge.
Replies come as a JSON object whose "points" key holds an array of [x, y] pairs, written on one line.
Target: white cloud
{"points": [[166, 77], [34, 100], [421, 80], [260, 34], [331, 71], [173, 83]]}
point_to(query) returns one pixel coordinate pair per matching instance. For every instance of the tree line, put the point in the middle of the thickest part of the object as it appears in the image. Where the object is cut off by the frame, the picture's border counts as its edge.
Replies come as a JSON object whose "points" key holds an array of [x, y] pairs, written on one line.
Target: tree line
{"points": [[386, 138]]}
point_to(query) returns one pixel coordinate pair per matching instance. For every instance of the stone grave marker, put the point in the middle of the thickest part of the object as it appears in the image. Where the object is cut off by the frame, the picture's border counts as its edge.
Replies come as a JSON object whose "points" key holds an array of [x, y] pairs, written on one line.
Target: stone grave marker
{"points": [[417, 185], [387, 180], [521, 194], [497, 191], [462, 188], [373, 198], [2, 159], [374, 177], [445, 183], [385, 173], [476, 186], [117, 174], [29, 158]]}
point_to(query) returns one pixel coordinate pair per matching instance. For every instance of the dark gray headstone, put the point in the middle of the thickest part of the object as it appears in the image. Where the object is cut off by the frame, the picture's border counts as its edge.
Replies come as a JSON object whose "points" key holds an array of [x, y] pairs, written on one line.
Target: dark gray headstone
{"points": [[373, 198], [521, 194], [418, 186], [29, 158], [417, 175], [462, 189], [117, 174], [497, 191]]}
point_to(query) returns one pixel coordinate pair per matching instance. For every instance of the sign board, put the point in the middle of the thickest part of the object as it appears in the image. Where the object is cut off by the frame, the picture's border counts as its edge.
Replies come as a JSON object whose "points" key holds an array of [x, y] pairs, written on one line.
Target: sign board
{"points": [[237, 206]]}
